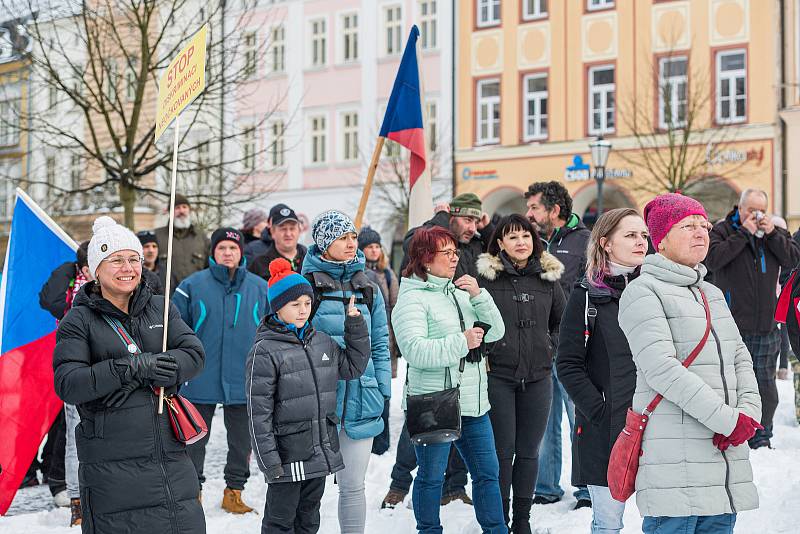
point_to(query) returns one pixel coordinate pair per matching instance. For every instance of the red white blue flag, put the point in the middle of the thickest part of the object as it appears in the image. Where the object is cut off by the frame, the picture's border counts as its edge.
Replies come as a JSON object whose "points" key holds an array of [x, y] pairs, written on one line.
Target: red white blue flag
{"points": [[28, 402], [404, 123]]}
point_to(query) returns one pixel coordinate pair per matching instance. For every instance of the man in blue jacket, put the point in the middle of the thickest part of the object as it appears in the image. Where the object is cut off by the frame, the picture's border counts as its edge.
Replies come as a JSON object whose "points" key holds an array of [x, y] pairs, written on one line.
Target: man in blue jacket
{"points": [[224, 305]]}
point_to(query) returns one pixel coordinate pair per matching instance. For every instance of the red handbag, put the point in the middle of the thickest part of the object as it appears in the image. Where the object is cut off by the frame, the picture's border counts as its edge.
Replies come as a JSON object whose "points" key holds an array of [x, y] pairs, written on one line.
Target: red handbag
{"points": [[624, 461], [187, 423]]}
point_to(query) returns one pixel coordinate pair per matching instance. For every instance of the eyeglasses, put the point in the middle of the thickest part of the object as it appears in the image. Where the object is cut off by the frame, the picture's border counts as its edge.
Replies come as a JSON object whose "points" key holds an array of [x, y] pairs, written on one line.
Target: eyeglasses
{"points": [[117, 263], [450, 253], [695, 227]]}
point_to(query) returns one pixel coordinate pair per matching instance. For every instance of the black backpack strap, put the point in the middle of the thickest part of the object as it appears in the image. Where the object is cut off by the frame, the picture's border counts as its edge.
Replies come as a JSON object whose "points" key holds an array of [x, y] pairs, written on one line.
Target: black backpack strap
{"points": [[326, 288], [589, 319]]}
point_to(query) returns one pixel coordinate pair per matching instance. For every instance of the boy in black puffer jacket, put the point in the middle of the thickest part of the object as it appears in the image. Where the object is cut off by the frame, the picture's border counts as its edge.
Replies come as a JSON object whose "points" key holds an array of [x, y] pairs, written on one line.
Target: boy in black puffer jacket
{"points": [[292, 373]]}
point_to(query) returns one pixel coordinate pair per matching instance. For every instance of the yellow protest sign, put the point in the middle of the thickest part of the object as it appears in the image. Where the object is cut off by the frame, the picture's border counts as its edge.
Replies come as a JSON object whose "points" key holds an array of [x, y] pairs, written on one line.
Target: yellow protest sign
{"points": [[184, 80]]}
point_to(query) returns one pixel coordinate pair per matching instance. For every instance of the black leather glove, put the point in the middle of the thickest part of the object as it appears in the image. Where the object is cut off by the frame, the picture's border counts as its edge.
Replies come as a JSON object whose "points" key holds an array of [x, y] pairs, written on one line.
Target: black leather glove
{"points": [[118, 398], [161, 369], [274, 472]]}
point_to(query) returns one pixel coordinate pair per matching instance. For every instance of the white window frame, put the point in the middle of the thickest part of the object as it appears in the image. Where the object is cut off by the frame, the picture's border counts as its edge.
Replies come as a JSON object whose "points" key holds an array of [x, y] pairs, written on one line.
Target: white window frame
{"points": [[596, 5], [349, 135], [318, 139], [349, 31], [204, 164], [432, 130], [50, 171], [428, 24], [603, 90], [538, 11], [393, 29], [52, 92], [9, 122], [675, 98], [318, 47], [493, 104], [491, 8], [277, 147], [277, 55], [249, 148], [729, 77], [75, 172], [249, 47], [540, 131]]}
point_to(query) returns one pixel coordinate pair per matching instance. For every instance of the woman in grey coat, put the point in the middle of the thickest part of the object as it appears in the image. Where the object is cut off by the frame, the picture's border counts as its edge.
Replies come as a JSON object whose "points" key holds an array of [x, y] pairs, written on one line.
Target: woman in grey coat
{"points": [[694, 473]]}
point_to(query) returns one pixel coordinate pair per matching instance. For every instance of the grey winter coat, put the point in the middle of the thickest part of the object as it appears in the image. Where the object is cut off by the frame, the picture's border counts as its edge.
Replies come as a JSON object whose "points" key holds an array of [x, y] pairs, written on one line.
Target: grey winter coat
{"points": [[681, 473], [291, 396]]}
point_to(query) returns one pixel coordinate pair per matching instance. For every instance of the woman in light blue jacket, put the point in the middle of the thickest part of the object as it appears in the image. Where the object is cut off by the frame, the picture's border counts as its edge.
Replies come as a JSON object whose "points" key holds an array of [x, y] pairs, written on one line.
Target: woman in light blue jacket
{"points": [[337, 268]]}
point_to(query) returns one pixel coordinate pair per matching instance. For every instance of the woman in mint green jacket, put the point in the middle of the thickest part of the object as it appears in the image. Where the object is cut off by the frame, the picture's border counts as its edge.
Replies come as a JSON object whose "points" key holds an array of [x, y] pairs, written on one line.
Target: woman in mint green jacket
{"points": [[429, 334]]}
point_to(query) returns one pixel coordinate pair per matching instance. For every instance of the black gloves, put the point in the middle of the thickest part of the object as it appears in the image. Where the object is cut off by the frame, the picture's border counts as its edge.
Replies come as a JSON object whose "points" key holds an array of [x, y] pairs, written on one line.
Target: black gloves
{"points": [[118, 398], [274, 472], [161, 369]]}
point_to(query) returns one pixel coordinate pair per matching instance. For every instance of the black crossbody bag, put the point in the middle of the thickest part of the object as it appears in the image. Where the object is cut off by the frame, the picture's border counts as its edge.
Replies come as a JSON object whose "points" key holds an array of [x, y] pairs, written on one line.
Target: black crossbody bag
{"points": [[436, 417]]}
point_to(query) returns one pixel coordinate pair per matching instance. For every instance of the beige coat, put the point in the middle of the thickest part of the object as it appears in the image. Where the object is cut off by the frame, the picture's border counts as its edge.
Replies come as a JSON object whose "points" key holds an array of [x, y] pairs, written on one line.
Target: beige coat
{"points": [[681, 473]]}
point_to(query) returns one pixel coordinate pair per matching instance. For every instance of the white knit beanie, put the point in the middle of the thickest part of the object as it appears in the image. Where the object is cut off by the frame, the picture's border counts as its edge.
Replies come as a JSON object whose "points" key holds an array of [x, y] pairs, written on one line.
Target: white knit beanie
{"points": [[109, 237]]}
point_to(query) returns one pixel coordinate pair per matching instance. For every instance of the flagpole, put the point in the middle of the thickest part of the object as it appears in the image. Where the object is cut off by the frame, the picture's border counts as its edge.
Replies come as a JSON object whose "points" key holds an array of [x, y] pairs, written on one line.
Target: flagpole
{"points": [[373, 166]]}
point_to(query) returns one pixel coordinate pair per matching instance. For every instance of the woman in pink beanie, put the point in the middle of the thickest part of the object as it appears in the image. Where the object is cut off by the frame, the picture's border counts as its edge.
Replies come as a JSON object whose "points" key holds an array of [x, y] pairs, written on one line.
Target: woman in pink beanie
{"points": [[694, 471]]}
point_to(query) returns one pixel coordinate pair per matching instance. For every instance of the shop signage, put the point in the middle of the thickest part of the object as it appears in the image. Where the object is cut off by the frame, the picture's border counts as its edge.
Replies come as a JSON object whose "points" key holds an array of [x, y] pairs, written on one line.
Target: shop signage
{"points": [[582, 172], [469, 174], [714, 156]]}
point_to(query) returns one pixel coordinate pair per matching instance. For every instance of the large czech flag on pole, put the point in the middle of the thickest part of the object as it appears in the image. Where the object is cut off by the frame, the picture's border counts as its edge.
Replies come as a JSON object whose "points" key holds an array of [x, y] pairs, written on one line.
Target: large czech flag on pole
{"points": [[404, 123], [28, 402]]}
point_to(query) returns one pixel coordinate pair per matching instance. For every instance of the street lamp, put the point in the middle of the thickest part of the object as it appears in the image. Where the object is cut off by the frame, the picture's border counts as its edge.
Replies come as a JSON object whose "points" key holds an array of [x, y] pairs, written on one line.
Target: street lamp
{"points": [[600, 149]]}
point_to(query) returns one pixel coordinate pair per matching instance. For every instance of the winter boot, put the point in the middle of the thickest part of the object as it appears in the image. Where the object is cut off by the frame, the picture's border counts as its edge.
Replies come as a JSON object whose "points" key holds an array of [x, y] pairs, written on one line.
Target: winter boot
{"points": [[461, 496], [75, 513], [232, 502], [522, 516], [393, 498], [506, 508]]}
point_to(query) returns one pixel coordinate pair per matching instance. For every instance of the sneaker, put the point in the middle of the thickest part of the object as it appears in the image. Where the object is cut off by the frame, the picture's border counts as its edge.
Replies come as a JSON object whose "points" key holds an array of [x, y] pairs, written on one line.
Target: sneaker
{"points": [[61, 499], [583, 503], [541, 499], [232, 502], [392, 499], [462, 496], [75, 513]]}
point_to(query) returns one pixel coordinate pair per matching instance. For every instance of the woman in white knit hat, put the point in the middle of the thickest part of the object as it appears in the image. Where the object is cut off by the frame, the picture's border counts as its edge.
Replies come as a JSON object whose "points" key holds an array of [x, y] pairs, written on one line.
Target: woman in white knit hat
{"points": [[134, 475]]}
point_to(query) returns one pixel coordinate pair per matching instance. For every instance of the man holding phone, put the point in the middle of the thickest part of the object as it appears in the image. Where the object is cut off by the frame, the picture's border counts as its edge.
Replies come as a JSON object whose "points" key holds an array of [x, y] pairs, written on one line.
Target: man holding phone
{"points": [[746, 253]]}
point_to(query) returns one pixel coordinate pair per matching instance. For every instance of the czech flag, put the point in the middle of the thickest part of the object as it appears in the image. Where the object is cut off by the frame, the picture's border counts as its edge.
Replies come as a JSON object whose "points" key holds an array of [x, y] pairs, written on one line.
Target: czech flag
{"points": [[404, 123], [28, 402]]}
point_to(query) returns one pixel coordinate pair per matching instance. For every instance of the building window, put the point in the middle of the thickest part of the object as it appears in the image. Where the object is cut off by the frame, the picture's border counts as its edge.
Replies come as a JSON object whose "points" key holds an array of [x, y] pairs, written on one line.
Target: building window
{"points": [[433, 127], [731, 86], [534, 9], [277, 148], [50, 175], [131, 80], [349, 127], [601, 100], [393, 19], [249, 149], [672, 92], [593, 5], [278, 55], [427, 24], [535, 106], [319, 40], [9, 122], [52, 92], [488, 13], [75, 172], [488, 126], [203, 164], [350, 37], [319, 139], [249, 54]]}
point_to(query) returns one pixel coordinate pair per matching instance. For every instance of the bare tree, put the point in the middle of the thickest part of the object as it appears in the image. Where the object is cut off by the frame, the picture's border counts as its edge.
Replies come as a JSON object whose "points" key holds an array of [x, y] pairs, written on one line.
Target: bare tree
{"points": [[101, 61]]}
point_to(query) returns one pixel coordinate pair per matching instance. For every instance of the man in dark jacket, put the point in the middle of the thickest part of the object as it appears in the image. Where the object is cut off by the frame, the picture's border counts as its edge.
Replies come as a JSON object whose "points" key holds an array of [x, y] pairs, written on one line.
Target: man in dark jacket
{"points": [[189, 244], [150, 248], [224, 305], [285, 231], [257, 247], [565, 237], [746, 253]]}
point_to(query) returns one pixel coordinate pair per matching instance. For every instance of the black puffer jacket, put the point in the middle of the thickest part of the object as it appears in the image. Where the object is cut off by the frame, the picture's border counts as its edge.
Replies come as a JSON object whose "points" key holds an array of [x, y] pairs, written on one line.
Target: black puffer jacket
{"points": [[257, 247], [135, 477], [260, 264], [568, 245], [599, 377], [531, 302], [291, 397]]}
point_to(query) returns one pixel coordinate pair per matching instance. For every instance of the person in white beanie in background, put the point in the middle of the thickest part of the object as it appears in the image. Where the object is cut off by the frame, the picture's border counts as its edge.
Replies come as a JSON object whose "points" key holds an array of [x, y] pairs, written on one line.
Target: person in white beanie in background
{"points": [[135, 476]]}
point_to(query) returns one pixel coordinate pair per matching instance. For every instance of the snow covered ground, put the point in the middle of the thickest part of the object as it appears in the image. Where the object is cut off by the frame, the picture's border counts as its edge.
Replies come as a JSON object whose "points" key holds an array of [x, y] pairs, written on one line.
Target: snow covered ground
{"points": [[777, 474]]}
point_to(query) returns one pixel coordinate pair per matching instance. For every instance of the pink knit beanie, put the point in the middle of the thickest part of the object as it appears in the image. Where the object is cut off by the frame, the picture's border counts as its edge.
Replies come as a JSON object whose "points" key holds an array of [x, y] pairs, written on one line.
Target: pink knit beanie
{"points": [[664, 211]]}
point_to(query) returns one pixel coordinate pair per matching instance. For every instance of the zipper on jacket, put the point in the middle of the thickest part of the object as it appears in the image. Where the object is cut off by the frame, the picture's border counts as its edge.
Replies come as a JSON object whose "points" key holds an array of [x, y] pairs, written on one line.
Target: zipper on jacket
{"points": [[346, 382], [319, 407], [725, 387], [160, 460]]}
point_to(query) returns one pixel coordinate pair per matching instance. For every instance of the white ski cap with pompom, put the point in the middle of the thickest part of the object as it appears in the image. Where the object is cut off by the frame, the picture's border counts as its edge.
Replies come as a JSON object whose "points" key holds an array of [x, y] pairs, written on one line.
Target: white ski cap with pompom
{"points": [[109, 237]]}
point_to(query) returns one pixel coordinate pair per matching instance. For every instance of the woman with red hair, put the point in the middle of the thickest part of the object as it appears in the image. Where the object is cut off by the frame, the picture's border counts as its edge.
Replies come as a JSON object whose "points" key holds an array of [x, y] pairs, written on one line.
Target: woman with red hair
{"points": [[434, 326]]}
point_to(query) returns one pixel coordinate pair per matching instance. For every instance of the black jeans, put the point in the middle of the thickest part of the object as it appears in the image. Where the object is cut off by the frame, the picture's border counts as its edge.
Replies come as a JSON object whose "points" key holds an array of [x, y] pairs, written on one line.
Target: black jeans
{"points": [[455, 478], [237, 465], [380, 443], [519, 418], [293, 507], [53, 455]]}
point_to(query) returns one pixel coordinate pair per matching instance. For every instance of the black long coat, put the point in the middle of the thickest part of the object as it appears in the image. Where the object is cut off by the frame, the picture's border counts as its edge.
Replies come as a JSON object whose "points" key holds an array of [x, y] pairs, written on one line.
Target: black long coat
{"points": [[135, 477], [599, 377]]}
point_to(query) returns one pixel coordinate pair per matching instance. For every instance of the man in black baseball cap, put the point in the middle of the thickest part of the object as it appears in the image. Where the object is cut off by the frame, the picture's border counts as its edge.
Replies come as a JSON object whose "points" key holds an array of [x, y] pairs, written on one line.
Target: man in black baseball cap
{"points": [[284, 229]]}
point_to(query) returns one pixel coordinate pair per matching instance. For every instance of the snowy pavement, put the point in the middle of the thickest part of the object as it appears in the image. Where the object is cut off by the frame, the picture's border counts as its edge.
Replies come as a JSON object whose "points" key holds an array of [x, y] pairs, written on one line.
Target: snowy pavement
{"points": [[777, 475]]}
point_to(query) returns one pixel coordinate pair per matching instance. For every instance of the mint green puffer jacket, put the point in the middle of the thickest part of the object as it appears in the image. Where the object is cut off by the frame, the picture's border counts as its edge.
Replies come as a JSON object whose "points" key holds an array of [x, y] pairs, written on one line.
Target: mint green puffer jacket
{"points": [[429, 336]]}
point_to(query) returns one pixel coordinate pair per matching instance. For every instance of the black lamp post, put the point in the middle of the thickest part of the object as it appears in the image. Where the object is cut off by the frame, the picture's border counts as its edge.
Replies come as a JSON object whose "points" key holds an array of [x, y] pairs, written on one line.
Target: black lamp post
{"points": [[600, 149]]}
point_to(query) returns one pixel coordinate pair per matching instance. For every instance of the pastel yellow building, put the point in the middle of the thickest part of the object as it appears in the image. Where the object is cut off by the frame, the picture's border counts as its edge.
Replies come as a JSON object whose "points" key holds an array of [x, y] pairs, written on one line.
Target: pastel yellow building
{"points": [[694, 80]]}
